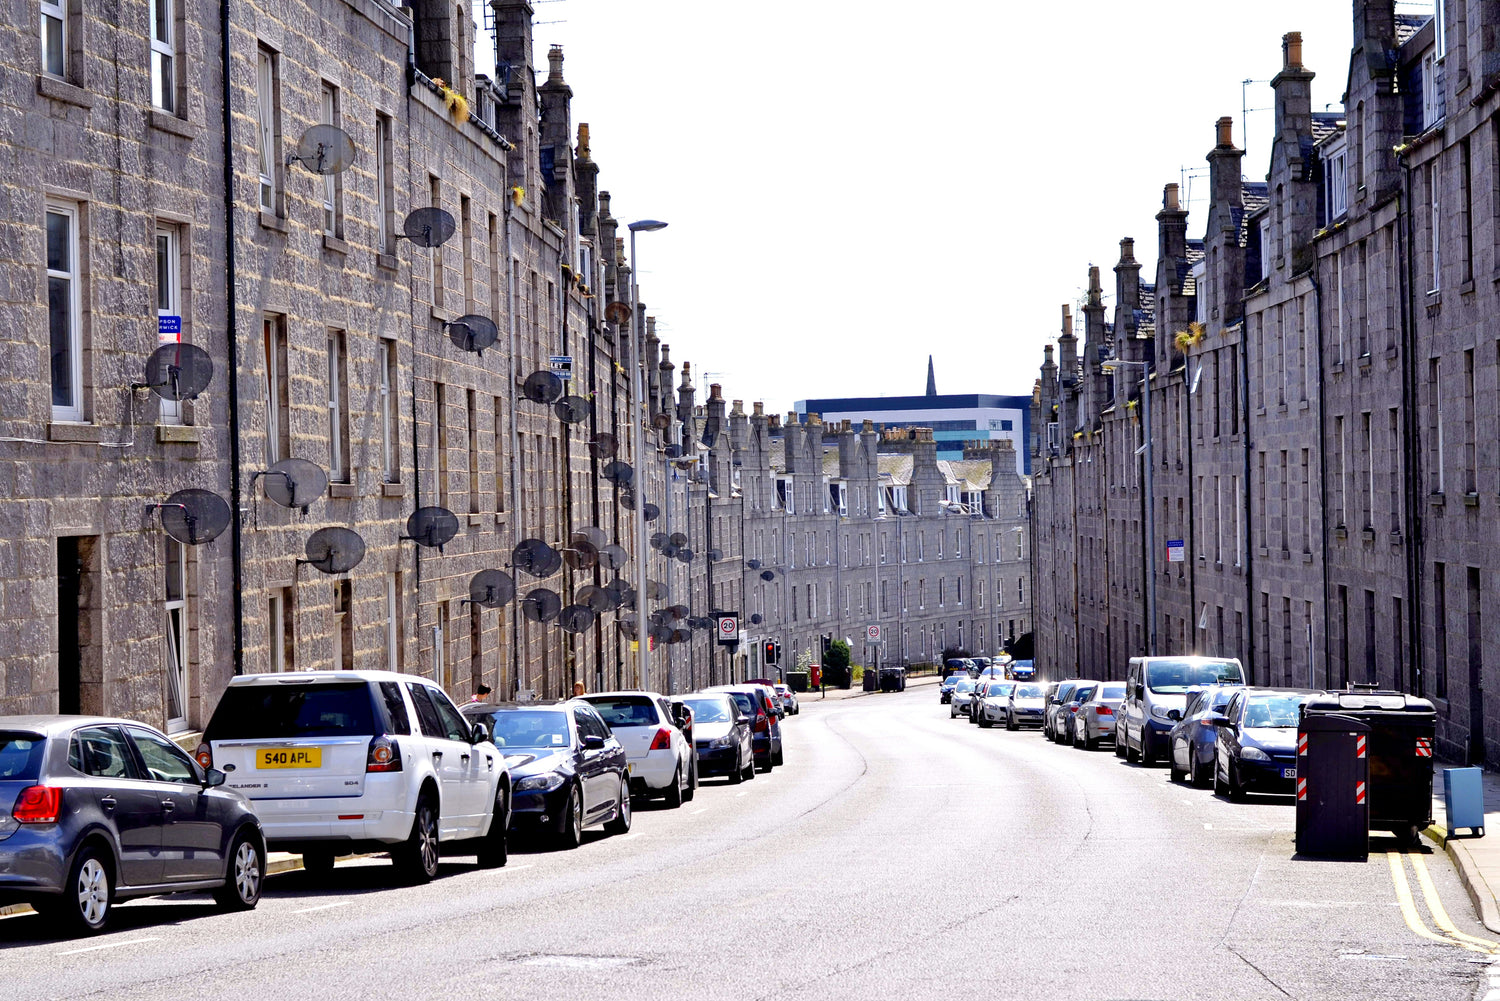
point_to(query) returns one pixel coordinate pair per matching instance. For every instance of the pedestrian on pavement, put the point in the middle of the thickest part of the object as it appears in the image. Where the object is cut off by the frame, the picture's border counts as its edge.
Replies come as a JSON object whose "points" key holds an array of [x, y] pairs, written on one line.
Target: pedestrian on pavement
{"points": [[481, 693], [577, 689]]}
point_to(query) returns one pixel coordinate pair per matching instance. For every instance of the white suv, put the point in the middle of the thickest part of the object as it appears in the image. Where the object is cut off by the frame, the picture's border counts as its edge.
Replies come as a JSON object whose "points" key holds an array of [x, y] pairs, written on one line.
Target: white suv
{"points": [[337, 762], [661, 759]]}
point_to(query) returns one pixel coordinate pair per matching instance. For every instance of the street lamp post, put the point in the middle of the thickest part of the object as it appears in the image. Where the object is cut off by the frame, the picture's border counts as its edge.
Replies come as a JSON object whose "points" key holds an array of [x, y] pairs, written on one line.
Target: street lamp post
{"points": [[638, 447], [1110, 365]]}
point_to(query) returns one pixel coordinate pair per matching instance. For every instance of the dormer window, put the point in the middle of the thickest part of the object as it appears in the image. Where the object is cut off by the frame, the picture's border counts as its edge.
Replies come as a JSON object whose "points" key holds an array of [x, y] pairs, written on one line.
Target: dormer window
{"points": [[1336, 181], [838, 498], [1265, 246], [1432, 88]]}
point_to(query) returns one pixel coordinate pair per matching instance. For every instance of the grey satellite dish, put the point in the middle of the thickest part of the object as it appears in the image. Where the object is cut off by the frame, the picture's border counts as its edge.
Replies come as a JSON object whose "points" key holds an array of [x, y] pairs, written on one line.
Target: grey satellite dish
{"points": [[685, 555], [572, 409], [626, 623], [658, 617], [433, 527], [767, 575], [662, 634], [672, 451], [670, 551], [679, 539], [715, 555], [618, 472], [541, 605], [536, 558], [595, 536], [429, 227], [627, 499], [580, 553], [472, 332], [596, 598], [650, 512], [680, 636], [194, 517], [543, 387], [334, 550], [756, 619], [491, 588], [177, 372], [603, 445], [294, 482], [653, 590], [324, 149], [576, 618], [621, 592], [613, 557], [658, 539], [678, 612], [753, 564]]}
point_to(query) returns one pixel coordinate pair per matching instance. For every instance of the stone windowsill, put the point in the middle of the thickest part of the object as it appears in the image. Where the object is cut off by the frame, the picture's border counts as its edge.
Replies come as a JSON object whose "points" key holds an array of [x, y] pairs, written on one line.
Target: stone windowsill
{"points": [[387, 262], [61, 90], [1303, 405], [1307, 557], [335, 245], [475, 519], [393, 490], [1396, 538], [272, 221], [74, 431], [1436, 499], [1368, 534], [1364, 363], [1337, 368], [1467, 288], [185, 433], [1286, 554], [1392, 352], [165, 121], [340, 491], [440, 314], [1340, 532], [1471, 500]]}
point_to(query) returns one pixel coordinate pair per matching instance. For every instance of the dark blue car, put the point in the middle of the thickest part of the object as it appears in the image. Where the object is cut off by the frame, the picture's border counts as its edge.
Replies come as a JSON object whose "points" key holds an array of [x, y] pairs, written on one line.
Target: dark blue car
{"points": [[1191, 740], [1257, 745]]}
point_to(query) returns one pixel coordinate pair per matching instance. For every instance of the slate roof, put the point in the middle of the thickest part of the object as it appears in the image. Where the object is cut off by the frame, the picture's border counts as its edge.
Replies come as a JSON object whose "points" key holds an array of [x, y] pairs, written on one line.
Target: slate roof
{"points": [[1326, 124], [1253, 194], [1145, 317], [1407, 26]]}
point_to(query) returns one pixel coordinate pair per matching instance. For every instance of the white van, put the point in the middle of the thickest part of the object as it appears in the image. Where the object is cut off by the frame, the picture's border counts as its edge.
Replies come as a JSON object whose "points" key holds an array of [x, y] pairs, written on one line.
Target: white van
{"points": [[1154, 688]]}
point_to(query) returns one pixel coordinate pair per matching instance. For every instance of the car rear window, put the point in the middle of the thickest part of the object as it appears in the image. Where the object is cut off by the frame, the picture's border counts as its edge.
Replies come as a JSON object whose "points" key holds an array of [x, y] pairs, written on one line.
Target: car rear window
{"points": [[625, 710], [746, 702], [1029, 692], [289, 712], [1112, 692], [21, 755]]}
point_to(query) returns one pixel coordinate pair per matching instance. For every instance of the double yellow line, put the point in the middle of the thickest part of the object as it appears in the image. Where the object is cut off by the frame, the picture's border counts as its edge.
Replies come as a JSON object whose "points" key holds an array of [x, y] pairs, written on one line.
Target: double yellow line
{"points": [[1450, 933]]}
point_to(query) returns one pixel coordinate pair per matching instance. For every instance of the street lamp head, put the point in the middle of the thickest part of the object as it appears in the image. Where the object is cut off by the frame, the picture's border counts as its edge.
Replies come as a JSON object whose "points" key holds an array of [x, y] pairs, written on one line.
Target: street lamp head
{"points": [[647, 226]]}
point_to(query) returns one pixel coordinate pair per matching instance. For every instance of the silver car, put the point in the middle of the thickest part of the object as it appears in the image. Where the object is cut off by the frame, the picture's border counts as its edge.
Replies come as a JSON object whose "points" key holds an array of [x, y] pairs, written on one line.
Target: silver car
{"points": [[962, 699], [993, 703], [1095, 720], [1026, 705]]}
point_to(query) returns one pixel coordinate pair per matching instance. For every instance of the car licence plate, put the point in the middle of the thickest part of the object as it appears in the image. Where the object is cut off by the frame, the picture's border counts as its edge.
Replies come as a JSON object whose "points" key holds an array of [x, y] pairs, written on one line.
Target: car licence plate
{"points": [[289, 757], [1289, 773]]}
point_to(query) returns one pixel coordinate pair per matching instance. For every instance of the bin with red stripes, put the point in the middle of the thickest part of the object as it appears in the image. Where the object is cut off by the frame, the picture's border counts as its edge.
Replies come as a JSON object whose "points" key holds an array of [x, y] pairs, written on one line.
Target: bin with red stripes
{"points": [[1402, 732], [1333, 776]]}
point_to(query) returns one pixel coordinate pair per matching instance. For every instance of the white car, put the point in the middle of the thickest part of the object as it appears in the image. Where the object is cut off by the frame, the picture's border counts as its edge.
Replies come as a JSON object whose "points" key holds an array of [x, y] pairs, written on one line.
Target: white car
{"points": [[994, 704], [661, 759], [963, 698], [337, 762], [788, 699]]}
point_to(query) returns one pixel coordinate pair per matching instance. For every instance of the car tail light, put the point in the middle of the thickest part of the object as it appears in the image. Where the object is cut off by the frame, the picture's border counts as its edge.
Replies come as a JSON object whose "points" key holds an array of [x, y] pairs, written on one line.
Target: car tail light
{"points": [[204, 756], [662, 741], [384, 755], [761, 724], [38, 805], [1104, 711]]}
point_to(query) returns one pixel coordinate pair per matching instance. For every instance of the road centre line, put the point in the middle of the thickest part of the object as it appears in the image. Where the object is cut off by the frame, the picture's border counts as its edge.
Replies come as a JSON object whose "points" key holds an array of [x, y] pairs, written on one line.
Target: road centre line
{"points": [[110, 945], [1436, 909], [1409, 907], [322, 907]]}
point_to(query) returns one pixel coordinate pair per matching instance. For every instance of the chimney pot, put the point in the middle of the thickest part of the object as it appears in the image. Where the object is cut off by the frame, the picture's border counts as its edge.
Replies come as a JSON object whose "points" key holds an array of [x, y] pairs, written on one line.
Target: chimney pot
{"points": [[758, 409], [1291, 44], [713, 391], [1225, 127], [1169, 198], [1127, 250]]}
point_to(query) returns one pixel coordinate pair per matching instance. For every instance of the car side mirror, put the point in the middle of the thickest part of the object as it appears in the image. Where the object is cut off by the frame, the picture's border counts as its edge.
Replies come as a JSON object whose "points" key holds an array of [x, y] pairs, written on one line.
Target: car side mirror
{"points": [[1219, 721], [593, 743], [213, 777], [479, 734], [1174, 714]]}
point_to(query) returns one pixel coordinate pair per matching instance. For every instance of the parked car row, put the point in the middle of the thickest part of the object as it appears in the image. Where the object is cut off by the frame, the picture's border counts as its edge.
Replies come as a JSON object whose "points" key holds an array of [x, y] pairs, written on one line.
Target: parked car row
{"points": [[96, 810], [1196, 713]]}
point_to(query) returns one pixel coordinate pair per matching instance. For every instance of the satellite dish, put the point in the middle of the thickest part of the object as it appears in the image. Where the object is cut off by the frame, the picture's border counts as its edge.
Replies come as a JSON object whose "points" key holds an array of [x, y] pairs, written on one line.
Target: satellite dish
{"points": [[662, 634], [491, 588], [295, 483], [617, 312], [678, 612], [715, 555], [680, 636], [594, 535], [627, 499], [613, 557], [672, 451], [429, 227], [334, 550], [543, 387], [598, 599], [653, 590], [658, 539], [679, 539], [685, 555], [572, 409], [670, 551], [658, 617], [194, 516], [432, 527], [177, 372], [541, 605], [650, 512], [576, 618], [753, 564], [580, 553], [767, 575], [618, 472], [603, 445], [756, 619], [472, 332], [627, 624], [324, 149], [535, 557], [622, 593]]}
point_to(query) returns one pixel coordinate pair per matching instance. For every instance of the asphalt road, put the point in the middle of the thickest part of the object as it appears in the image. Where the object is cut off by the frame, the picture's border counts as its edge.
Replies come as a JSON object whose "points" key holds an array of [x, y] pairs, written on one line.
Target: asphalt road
{"points": [[898, 854]]}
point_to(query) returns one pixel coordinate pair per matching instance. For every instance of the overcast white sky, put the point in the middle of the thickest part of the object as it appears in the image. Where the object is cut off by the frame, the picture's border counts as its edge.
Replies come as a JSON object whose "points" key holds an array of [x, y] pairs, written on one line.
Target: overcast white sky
{"points": [[852, 185]]}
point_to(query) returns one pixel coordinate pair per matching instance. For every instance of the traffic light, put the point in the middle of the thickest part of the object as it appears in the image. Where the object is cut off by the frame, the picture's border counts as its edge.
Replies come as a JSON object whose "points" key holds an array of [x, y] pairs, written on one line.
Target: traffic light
{"points": [[772, 651]]}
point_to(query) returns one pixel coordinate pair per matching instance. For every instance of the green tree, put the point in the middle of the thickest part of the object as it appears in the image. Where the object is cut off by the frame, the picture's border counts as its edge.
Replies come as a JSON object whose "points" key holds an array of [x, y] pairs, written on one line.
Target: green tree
{"points": [[838, 656]]}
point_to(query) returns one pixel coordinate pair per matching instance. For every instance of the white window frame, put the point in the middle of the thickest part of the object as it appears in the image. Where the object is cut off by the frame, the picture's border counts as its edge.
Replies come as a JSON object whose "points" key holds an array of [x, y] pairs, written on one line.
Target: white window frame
{"points": [[271, 330], [174, 634], [382, 181], [71, 409], [330, 116], [163, 27], [391, 633], [1265, 246], [169, 302], [1432, 95], [390, 467], [54, 23], [265, 105], [276, 626], [338, 462], [1435, 196]]}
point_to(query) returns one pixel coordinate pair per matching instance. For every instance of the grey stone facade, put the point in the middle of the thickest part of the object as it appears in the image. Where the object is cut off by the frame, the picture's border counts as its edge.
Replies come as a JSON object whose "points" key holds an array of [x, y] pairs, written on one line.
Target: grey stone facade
{"points": [[1330, 408]]}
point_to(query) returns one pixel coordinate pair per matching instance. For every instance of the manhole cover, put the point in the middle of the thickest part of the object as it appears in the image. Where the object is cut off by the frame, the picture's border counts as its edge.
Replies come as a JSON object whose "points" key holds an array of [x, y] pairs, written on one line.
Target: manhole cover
{"points": [[578, 962]]}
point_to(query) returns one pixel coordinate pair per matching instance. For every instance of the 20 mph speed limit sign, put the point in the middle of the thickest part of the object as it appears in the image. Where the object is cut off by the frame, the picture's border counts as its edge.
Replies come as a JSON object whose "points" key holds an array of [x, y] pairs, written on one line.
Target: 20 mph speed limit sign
{"points": [[872, 634], [729, 628]]}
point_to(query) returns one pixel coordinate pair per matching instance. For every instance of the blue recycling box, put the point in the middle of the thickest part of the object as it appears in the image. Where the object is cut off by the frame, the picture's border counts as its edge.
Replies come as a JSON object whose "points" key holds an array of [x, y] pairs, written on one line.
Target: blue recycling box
{"points": [[1463, 798]]}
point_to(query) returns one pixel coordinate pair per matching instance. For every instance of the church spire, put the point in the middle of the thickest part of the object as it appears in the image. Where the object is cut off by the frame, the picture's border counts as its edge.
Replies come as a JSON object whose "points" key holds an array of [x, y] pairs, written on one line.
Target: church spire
{"points": [[931, 378]]}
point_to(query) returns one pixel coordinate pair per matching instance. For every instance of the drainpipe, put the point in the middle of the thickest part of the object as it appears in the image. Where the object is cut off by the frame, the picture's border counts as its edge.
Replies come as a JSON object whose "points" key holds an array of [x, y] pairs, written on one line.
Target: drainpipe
{"points": [[1323, 493], [515, 489], [1244, 498], [1411, 447], [236, 542]]}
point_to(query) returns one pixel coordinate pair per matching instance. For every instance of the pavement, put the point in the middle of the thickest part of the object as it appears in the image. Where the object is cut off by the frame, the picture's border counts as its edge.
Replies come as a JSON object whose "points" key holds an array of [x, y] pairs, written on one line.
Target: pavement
{"points": [[899, 854], [1477, 859]]}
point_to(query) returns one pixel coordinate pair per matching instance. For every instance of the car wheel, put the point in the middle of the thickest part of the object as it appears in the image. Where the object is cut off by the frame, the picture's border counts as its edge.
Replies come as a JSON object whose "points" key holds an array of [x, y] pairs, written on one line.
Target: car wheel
{"points": [[1119, 743], [84, 906], [1220, 789], [1194, 773], [1010, 722], [317, 864], [779, 758], [1131, 754], [674, 797], [984, 722], [1236, 787], [750, 768], [952, 710], [1148, 753], [1177, 774], [621, 823], [692, 789], [1078, 738], [571, 835], [494, 849], [417, 858], [242, 878]]}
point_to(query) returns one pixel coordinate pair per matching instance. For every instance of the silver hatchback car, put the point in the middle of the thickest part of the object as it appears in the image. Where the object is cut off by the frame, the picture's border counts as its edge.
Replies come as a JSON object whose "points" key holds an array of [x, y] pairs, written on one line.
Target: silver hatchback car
{"points": [[1095, 719]]}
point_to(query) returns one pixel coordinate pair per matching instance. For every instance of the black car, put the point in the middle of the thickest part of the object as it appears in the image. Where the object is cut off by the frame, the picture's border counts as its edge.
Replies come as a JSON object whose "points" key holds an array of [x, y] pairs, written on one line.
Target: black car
{"points": [[1257, 746], [98, 810], [1191, 741], [721, 736], [568, 771]]}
